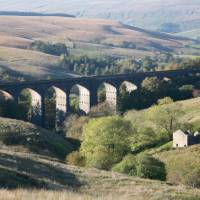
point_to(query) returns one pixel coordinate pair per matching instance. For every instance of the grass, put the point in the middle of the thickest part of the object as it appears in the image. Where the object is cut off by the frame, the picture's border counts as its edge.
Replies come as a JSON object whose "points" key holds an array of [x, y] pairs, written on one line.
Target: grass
{"points": [[33, 167], [190, 107], [24, 137], [41, 195], [58, 179], [191, 33], [180, 162], [29, 64], [94, 37]]}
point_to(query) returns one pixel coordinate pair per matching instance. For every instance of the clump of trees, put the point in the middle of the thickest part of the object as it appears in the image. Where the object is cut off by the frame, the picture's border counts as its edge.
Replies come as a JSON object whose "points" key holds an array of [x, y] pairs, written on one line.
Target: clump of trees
{"points": [[106, 145], [152, 89], [56, 49], [117, 143], [105, 65]]}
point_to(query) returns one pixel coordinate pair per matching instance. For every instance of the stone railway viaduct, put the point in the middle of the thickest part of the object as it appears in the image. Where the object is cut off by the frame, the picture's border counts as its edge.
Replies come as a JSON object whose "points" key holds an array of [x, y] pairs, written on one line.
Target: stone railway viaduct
{"points": [[87, 86]]}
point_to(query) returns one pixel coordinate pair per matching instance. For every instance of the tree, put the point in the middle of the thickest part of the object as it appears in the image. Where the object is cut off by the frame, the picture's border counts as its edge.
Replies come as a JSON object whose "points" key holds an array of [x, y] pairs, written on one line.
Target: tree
{"points": [[152, 84], [105, 141], [25, 110], [166, 116], [50, 109]]}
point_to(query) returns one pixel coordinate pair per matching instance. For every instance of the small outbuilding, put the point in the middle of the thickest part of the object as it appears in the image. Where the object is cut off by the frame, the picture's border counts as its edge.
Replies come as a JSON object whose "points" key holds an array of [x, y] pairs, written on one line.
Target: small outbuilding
{"points": [[184, 139]]}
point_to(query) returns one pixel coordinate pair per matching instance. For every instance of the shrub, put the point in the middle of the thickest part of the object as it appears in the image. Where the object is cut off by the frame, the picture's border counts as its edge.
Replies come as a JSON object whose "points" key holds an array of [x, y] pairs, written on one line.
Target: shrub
{"points": [[102, 110], [75, 158], [126, 166], [74, 126], [149, 167]]}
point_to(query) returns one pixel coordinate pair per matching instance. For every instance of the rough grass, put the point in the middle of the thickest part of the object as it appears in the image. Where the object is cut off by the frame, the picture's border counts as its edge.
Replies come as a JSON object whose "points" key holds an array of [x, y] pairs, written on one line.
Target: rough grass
{"points": [[190, 107], [92, 37], [67, 195], [32, 168], [29, 64], [19, 31], [59, 180], [41, 195], [190, 34], [48, 178], [24, 137], [180, 162]]}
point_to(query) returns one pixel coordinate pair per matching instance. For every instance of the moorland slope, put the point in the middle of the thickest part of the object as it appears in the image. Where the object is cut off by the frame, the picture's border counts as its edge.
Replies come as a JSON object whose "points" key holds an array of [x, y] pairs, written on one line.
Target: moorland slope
{"points": [[92, 37], [169, 16], [37, 162]]}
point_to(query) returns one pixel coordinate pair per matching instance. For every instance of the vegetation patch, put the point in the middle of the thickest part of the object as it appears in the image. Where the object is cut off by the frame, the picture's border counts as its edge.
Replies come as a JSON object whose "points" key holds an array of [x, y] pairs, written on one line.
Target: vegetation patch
{"points": [[182, 165], [11, 180]]}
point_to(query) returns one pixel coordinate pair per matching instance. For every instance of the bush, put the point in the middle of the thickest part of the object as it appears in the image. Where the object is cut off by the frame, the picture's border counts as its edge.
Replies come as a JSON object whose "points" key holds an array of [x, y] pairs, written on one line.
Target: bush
{"points": [[75, 158], [126, 166], [151, 168], [73, 126], [102, 110], [143, 166]]}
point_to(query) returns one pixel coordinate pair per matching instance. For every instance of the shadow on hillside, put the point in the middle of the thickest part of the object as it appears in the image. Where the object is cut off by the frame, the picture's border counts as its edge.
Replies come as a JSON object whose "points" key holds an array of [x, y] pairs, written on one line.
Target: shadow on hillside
{"points": [[41, 142], [14, 74], [21, 172], [156, 34]]}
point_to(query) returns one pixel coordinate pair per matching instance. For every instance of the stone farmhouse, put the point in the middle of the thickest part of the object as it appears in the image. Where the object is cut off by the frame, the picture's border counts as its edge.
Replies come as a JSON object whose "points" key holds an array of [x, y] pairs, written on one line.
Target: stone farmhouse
{"points": [[184, 139]]}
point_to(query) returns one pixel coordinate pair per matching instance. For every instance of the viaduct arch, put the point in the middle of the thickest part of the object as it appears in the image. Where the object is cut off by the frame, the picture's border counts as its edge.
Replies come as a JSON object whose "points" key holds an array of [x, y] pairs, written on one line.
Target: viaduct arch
{"points": [[87, 87]]}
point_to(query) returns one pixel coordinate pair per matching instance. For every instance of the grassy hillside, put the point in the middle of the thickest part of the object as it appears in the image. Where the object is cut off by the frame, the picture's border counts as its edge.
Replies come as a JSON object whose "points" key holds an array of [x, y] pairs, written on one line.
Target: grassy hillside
{"points": [[190, 107], [24, 137], [92, 37], [20, 169], [95, 31], [176, 15], [194, 33], [16, 62], [31, 157], [181, 164]]}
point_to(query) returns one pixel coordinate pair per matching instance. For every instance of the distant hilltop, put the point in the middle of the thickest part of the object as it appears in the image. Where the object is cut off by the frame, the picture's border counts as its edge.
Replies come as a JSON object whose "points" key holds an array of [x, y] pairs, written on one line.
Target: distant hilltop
{"points": [[19, 13]]}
